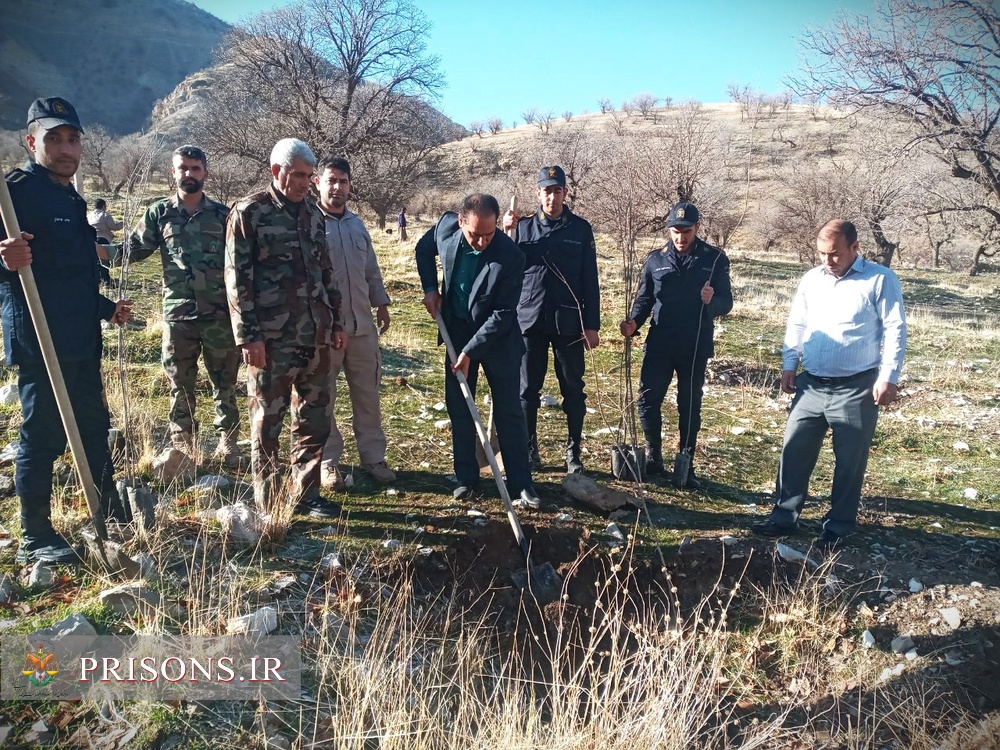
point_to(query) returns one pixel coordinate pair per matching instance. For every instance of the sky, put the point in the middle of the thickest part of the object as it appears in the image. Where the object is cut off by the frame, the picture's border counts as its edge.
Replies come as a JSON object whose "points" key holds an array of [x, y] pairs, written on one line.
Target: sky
{"points": [[565, 56]]}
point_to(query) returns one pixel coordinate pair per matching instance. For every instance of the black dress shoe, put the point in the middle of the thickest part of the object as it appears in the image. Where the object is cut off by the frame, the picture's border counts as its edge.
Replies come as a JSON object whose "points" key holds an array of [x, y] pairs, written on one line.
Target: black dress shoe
{"points": [[528, 499], [769, 527], [463, 492], [318, 507], [828, 542]]}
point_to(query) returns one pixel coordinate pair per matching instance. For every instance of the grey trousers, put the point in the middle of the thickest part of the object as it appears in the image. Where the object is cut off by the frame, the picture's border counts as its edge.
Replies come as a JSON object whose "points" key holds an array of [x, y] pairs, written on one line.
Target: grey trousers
{"points": [[848, 409]]}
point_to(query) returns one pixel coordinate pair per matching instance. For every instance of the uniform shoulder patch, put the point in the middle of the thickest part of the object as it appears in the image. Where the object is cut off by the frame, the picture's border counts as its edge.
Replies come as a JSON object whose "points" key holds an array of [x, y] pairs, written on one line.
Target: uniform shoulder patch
{"points": [[244, 203], [16, 175]]}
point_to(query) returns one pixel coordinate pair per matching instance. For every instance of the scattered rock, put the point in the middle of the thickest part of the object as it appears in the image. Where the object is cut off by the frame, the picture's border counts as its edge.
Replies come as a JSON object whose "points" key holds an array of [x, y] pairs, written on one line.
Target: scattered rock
{"points": [[970, 493], [867, 639], [439, 406], [953, 658], [332, 561], [41, 576], [603, 499], [960, 446], [5, 589], [951, 616], [442, 424], [8, 394], [240, 522], [738, 430], [916, 586], [563, 517], [911, 654], [6, 485], [901, 644], [173, 465], [211, 483], [131, 599], [728, 540], [278, 742], [549, 401], [261, 622], [9, 453], [790, 554], [391, 544], [4, 734], [615, 532], [76, 624]]}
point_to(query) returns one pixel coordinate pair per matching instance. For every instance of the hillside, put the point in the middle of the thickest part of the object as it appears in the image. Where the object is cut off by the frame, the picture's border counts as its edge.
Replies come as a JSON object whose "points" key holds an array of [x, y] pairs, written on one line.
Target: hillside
{"points": [[132, 53]]}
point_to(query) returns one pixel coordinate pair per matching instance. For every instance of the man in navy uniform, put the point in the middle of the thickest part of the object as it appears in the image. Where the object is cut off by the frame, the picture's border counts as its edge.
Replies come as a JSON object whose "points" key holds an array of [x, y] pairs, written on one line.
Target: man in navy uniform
{"points": [[482, 270], [560, 308], [685, 286], [53, 218]]}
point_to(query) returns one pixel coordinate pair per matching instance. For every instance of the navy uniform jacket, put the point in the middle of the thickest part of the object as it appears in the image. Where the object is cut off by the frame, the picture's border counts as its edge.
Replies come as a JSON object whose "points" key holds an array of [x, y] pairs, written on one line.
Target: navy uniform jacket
{"points": [[65, 266], [560, 275], [670, 290], [495, 291]]}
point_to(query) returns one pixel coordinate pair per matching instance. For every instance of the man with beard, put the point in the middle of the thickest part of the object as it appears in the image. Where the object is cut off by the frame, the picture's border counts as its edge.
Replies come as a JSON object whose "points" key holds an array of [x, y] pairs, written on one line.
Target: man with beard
{"points": [[189, 230], [61, 254]]}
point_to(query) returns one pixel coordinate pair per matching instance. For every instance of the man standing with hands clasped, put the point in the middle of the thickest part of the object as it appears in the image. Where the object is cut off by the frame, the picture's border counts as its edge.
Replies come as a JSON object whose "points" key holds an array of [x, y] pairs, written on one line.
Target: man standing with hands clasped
{"points": [[53, 219], [560, 307], [847, 328], [359, 281], [685, 286]]}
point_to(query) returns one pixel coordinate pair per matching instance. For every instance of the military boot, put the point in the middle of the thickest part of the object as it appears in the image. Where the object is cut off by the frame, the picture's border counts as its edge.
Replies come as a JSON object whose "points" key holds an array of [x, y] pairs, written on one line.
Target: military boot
{"points": [[228, 451], [574, 464], [40, 543], [184, 442], [654, 459], [534, 457]]}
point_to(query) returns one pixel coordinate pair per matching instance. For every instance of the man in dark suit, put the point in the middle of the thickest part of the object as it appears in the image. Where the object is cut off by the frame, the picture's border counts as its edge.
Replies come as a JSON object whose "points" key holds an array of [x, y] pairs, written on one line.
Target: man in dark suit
{"points": [[482, 272]]}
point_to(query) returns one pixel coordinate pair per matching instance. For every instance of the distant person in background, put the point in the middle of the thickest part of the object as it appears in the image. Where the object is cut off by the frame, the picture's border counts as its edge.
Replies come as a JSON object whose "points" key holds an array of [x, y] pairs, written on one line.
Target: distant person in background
{"points": [[401, 223], [847, 328], [359, 280], [560, 308], [189, 231], [105, 226], [58, 245], [685, 286]]}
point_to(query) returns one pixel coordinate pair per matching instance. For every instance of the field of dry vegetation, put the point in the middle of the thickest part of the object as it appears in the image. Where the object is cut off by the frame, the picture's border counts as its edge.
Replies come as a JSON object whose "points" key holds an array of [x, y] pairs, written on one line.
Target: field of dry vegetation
{"points": [[684, 631]]}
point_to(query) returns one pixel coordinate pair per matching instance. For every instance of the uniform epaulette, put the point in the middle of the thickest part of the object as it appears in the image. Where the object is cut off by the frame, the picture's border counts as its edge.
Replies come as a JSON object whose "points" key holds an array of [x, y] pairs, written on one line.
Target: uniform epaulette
{"points": [[244, 203], [16, 175]]}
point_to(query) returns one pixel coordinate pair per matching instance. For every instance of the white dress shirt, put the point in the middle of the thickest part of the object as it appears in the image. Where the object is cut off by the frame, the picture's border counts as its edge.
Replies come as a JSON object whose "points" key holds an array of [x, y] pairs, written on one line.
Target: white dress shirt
{"points": [[843, 326]]}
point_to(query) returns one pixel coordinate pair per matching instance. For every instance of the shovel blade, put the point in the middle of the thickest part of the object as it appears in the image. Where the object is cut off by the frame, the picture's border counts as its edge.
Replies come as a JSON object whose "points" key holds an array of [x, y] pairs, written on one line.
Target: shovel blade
{"points": [[111, 558], [541, 581]]}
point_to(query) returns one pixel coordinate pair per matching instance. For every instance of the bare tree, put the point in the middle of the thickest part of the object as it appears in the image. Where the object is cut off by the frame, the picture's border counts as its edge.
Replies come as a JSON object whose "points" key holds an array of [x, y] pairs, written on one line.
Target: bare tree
{"points": [[98, 148], [934, 63], [605, 105], [530, 115], [645, 104], [815, 194], [567, 116], [545, 121], [477, 127], [495, 125]]}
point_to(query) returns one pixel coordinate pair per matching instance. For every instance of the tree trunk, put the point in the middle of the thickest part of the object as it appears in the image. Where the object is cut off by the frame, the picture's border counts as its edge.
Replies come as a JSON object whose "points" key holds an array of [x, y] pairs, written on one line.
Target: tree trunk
{"points": [[886, 249]]}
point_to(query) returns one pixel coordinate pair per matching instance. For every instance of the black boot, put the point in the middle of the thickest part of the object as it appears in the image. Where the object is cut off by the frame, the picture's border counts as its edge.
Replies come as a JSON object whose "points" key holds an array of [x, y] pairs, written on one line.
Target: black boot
{"points": [[40, 542], [534, 457], [654, 459], [574, 464]]}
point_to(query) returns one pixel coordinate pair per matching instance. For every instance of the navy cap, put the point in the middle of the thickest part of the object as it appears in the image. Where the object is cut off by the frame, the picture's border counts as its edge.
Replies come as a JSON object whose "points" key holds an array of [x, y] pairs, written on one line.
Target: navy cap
{"points": [[682, 215], [53, 112], [551, 176]]}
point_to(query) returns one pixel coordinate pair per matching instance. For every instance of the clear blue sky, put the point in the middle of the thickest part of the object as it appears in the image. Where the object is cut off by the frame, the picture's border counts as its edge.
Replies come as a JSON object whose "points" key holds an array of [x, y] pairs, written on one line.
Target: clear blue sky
{"points": [[565, 56]]}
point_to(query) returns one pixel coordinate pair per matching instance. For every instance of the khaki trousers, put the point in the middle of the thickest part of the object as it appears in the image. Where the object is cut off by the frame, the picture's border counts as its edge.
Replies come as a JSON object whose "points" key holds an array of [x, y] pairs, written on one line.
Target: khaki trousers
{"points": [[361, 362]]}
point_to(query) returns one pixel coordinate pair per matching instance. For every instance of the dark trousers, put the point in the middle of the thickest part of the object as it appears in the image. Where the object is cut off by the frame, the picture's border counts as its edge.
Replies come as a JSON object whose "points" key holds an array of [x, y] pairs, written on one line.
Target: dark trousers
{"points": [[43, 440], [503, 376], [849, 410], [568, 352], [663, 359]]}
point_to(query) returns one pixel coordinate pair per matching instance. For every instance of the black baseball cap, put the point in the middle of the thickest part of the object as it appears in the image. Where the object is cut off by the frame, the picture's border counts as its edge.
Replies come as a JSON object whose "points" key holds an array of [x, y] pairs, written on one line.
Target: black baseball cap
{"points": [[683, 215], [551, 176], [53, 112]]}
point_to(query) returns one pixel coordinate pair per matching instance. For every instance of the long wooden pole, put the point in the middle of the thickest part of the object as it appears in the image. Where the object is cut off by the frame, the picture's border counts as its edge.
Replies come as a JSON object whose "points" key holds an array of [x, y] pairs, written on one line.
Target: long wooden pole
{"points": [[27, 278]]}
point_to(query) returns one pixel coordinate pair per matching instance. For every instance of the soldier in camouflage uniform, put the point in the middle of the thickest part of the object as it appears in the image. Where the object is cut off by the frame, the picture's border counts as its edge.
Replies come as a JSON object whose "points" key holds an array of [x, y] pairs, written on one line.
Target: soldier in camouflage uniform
{"points": [[284, 308], [189, 230]]}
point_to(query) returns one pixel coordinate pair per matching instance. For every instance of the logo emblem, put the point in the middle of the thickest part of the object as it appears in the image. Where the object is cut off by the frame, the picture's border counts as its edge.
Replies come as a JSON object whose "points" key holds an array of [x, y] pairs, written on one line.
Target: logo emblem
{"points": [[680, 213], [40, 668], [552, 171], [57, 106]]}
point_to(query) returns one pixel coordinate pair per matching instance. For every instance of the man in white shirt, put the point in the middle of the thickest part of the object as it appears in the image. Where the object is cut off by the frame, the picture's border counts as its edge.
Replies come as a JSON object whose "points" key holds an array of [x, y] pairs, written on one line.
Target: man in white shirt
{"points": [[359, 280], [847, 328]]}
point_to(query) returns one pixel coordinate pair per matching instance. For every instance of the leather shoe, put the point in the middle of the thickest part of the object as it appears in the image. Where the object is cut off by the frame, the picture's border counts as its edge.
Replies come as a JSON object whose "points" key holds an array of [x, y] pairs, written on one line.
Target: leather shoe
{"points": [[828, 542], [464, 492], [318, 507], [528, 499], [534, 459], [50, 548], [768, 527]]}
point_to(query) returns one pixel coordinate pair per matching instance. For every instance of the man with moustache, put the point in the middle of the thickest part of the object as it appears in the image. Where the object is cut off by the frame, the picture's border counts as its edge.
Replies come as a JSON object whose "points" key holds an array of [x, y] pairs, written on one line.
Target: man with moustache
{"points": [[189, 231], [285, 307], [359, 281], [57, 243]]}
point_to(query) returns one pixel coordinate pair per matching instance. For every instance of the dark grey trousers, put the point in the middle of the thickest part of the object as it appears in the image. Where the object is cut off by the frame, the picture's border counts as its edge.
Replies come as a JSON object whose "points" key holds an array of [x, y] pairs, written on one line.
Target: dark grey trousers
{"points": [[848, 409]]}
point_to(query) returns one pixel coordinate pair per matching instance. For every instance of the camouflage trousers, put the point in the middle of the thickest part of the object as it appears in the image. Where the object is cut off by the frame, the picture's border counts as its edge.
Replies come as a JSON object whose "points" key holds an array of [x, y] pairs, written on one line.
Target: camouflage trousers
{"points": [[299, 378], [212, 339]]}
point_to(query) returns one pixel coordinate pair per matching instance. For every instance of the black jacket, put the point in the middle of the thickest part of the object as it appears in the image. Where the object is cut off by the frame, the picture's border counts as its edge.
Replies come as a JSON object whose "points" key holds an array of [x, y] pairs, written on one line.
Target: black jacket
{"points": [[670, 291], [66, 270], [494, 295], [560, 288]]}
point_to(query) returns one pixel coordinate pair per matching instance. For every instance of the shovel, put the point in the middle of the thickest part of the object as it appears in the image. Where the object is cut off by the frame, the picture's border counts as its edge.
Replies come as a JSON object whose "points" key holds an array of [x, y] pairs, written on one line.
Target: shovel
{"points": [[541, 581], [113, 560]]}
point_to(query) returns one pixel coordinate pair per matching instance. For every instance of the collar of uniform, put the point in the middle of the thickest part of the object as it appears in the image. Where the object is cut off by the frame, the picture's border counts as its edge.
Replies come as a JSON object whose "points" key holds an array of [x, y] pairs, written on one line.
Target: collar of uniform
{"points": [[175, 201], [545, 220], [336, 217], [695, 249], [34, 168], [282, 203]]}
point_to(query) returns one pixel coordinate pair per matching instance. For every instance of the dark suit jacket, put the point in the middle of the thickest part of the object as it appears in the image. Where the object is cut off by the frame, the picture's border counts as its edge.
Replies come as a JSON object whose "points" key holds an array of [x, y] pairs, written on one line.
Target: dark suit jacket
{"points": [[495, 291]]}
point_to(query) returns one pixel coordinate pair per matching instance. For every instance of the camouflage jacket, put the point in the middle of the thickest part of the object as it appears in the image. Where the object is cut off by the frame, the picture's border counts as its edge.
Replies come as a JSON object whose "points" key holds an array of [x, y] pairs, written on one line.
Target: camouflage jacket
{"points": [[192, 247], [278, 274]]}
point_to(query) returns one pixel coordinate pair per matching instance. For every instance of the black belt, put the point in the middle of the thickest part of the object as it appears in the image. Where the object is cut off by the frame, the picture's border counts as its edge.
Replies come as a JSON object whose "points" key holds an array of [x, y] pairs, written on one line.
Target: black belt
{"points": [[843, 379]]}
